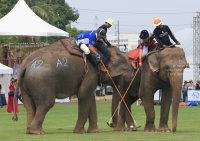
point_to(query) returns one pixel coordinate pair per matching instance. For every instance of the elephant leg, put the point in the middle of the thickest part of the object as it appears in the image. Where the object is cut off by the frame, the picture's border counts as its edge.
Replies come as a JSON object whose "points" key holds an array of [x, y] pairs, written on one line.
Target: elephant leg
{"points": [[93, 128], [165, 107], [30, 108], [115, 103], [121, 119], [128, 117], [87, 106], [43, 104], [124, 115], [147, 96], [116, 98]]}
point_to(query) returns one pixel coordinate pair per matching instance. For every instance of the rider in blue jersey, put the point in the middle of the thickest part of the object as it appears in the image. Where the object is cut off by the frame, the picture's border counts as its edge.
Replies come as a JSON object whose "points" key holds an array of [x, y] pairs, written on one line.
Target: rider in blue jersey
{"points": [[86, 43]]}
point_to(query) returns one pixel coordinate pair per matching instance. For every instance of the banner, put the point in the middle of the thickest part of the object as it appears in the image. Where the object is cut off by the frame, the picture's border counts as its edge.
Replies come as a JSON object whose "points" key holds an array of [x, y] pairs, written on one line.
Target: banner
{"points": [[157, 95], [193, 95]]}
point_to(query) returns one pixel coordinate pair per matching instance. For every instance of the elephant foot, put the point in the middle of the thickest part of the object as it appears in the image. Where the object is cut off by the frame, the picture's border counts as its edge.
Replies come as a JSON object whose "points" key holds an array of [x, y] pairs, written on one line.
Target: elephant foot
{"points": [[120, 128], [28, 130], [35, 131], [150, 129], [94, 130], [80, 131], [164, 129], [112, 125], [132, 128]]}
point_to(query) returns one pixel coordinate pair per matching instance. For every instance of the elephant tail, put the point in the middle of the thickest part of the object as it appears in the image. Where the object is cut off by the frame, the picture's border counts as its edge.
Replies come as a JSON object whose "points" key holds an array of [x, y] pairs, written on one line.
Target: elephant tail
{"points": [[19, 77]]}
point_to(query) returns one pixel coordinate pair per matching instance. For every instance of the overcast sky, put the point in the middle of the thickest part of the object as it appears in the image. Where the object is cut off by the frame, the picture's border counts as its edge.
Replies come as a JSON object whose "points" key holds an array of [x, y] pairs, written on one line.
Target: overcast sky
{"points": [[135, 15]]}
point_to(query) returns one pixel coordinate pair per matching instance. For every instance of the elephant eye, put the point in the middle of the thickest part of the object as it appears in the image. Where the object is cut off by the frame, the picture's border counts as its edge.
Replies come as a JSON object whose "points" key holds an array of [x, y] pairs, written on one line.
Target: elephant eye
{"points": [[166, 67]]}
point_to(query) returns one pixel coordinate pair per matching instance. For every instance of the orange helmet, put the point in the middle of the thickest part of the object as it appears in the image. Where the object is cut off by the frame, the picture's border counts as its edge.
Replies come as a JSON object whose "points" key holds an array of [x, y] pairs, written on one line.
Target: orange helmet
{"points": [[157, 21]]}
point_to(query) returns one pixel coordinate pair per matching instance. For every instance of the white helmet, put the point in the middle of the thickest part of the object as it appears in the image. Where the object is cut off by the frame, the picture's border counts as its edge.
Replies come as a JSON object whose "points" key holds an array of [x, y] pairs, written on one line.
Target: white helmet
{"points": [[110, 21]]}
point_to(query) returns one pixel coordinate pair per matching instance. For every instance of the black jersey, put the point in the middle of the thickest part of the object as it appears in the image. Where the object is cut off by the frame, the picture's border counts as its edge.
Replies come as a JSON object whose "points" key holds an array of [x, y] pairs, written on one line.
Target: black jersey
{"points": [[105, 39], [162, 35]]}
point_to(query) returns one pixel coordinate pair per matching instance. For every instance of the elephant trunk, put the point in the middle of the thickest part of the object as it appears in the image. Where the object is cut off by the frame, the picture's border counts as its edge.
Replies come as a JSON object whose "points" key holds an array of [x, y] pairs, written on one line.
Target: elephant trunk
{"points": [[176, 84]]}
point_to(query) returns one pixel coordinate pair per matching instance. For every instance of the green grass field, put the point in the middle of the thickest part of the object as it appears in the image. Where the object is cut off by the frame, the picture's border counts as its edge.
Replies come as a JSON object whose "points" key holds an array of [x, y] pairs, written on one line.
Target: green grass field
{"points": [[61, 119]]}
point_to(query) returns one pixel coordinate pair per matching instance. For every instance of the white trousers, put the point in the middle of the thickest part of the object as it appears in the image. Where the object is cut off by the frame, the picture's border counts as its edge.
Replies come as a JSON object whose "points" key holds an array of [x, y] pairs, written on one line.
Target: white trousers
{"points": [[83, 46], [144, 51]]}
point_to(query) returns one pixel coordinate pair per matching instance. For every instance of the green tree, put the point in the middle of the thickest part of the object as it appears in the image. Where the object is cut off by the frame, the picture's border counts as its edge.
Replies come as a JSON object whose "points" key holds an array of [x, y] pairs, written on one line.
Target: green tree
{"points": [[6, 6], [73, 32]]}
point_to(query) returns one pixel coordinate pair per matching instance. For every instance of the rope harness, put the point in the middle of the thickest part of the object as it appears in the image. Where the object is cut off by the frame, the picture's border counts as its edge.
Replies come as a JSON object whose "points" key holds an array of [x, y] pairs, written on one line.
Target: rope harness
{"points": [[86, 66]]}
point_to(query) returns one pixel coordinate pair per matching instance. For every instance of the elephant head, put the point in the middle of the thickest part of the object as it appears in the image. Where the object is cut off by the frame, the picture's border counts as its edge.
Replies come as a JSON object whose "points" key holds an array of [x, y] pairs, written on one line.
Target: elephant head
{"points": [[118, 64], [170, 64]]}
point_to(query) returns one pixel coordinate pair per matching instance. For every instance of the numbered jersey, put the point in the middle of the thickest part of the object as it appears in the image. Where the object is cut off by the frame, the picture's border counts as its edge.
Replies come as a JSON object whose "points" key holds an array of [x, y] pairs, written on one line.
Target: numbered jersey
{"points": [[89, 37]]}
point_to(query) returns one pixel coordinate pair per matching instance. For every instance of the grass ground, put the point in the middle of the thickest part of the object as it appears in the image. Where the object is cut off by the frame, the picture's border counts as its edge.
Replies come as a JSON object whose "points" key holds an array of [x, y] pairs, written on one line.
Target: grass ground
{"points": [[61, 119]]}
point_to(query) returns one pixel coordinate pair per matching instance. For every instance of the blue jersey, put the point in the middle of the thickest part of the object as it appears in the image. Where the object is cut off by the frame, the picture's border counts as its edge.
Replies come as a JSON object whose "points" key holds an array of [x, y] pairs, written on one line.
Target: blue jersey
{"points": [[88, 37]]}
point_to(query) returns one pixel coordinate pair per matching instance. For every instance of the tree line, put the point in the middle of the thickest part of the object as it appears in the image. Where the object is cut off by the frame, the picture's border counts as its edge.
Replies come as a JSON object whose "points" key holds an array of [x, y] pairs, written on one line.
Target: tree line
{"points": [[56, 12]]}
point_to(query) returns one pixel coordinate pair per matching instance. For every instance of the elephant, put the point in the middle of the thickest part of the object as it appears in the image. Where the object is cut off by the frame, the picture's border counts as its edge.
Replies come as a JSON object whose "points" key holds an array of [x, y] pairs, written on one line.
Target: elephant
{"points": [[51, 72], [161, 70]]}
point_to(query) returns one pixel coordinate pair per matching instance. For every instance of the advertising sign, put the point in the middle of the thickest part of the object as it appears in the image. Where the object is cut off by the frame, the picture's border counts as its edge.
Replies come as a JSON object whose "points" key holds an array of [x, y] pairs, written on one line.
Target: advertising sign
{"points": [[193, 95]]}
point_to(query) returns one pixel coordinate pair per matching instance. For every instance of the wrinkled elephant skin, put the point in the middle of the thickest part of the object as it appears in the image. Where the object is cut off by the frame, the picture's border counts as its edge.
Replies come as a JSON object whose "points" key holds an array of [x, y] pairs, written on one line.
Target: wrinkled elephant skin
{"points": [[45, 76], [170, 64]]}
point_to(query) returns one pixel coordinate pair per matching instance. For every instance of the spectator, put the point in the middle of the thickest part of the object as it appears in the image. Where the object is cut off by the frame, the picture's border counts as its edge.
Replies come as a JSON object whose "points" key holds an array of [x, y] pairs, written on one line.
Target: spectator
{"points": [[10, 56], [198, 85], [184, 90], [10, 106], [5, 54], [19, 55], [0, 97], [191, 86]]}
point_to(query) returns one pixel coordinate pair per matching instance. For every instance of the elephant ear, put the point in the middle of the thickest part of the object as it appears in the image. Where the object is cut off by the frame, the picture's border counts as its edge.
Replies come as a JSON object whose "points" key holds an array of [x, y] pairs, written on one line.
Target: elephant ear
{"points": [[153, 61], [118, 64]]}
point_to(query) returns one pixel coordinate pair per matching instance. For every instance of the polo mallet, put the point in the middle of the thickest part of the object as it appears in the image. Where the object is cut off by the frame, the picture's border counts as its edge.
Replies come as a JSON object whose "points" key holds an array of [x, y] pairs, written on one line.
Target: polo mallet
{"points": [[108, 123]]}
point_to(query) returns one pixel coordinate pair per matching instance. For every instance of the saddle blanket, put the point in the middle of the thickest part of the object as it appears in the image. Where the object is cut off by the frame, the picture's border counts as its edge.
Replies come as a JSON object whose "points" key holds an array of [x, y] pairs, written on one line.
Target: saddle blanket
{"points": [[71, 47]]}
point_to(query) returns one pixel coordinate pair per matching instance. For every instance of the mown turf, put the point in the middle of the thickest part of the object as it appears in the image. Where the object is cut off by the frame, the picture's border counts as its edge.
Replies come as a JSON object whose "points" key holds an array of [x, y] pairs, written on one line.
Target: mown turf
{"points": [[61, 119]]}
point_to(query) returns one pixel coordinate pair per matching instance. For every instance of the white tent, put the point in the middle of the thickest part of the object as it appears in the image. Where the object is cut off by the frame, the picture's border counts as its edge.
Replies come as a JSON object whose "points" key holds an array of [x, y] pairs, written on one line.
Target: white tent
{"points": [[5, 70], [5, 76], [185, 37], [22, 21]]}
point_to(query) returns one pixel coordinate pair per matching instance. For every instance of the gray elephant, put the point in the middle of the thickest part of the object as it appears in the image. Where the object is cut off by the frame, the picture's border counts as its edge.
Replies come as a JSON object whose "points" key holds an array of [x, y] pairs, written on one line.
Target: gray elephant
{"points": [[51, 72], [161, 70]]}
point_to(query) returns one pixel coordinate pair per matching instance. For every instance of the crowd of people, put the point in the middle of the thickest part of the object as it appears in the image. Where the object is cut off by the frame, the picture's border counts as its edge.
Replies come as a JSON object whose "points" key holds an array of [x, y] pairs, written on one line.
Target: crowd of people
{"points": [[8, 55], [189, 85]]}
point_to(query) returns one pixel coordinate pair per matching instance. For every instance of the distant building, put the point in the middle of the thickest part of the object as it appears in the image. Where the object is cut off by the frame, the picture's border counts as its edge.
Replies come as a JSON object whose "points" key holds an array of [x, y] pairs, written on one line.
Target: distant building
{"points": [[130, 40]]}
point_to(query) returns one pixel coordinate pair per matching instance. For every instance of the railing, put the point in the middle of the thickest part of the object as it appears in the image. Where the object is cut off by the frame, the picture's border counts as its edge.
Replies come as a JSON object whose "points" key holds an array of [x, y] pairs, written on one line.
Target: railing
{"points": [[24, 45], [10, 62]]}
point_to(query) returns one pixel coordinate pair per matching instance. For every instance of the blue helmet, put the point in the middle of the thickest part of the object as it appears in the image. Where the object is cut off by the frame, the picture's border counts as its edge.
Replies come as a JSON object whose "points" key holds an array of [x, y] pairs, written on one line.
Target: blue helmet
{"points": [[144, 34]]}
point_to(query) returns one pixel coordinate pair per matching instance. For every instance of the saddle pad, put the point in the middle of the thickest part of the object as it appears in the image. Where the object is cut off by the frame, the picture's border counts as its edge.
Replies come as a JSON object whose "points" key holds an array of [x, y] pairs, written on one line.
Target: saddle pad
{"points": [[71, 47], [134, 54]]}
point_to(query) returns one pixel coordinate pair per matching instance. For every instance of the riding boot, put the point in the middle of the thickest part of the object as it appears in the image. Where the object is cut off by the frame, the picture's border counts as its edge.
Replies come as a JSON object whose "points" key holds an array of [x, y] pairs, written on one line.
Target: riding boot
{"points": [[92, 60], [135, 61]]}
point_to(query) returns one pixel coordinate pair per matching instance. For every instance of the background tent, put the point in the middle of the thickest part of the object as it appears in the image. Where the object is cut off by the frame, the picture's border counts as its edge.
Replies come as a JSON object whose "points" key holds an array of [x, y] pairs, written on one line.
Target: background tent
{"points": [[185, 37], [5, 76], [5, 70], [22, 21]]}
